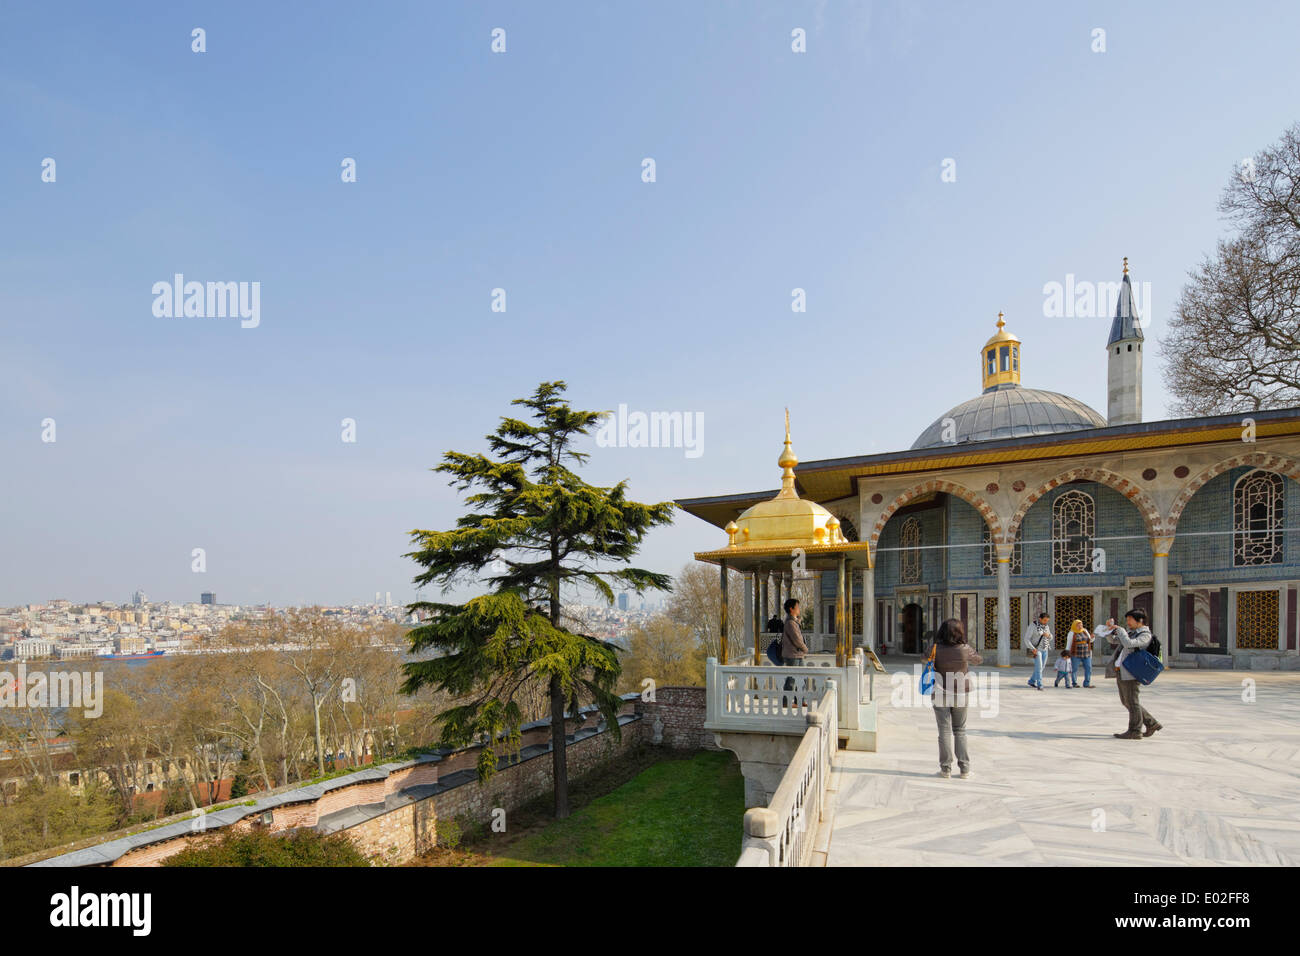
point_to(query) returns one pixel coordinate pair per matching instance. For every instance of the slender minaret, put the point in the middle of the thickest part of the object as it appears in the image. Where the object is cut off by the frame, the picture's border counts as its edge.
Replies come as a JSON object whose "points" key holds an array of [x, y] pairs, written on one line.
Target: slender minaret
{"points": [[1124, 360]]}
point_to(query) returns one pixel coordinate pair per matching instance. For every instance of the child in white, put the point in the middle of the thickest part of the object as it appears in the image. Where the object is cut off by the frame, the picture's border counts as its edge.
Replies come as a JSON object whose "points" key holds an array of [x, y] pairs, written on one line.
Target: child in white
{"points": [[1063, 670]]}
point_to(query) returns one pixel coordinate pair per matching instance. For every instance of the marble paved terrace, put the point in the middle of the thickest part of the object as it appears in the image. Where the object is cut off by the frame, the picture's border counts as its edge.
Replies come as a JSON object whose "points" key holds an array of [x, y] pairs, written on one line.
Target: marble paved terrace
{"points": [[1219, 786]]}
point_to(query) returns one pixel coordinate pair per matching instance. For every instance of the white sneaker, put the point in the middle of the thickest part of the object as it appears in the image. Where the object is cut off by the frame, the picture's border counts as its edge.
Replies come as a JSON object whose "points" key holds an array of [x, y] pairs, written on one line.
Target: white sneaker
{"points": [[967, 774], [945, 774]]}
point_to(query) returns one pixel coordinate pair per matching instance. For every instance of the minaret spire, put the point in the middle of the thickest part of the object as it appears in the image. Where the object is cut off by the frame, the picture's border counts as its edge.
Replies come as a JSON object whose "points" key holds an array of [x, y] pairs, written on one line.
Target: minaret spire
{"points": [[1124, 358]]}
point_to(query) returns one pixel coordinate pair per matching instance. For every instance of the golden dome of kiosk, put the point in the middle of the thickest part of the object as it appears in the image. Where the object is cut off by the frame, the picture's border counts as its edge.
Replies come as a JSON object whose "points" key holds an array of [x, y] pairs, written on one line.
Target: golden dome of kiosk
{"points": [[786, 521]]}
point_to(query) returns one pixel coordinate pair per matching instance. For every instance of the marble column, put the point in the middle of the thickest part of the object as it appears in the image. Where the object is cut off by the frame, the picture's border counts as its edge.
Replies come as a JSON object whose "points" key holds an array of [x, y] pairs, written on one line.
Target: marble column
{"points": [[840, 614], [1160, 593], [869, 605], [1004, 605], [722, 617], [848, 609], [759, 594], [749, 612], [818, 623]]}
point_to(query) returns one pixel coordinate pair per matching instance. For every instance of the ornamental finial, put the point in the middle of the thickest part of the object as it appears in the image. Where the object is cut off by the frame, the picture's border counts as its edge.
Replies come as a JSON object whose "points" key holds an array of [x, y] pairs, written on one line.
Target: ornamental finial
{"points": [[787, 461], [1126, 265], [1001, 324]]}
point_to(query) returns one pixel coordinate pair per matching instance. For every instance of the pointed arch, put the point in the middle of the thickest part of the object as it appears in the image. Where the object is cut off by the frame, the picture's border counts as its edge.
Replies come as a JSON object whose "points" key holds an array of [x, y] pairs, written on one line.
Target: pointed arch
{"points": [[1144, 503], [1265, 461], [947, 487]]}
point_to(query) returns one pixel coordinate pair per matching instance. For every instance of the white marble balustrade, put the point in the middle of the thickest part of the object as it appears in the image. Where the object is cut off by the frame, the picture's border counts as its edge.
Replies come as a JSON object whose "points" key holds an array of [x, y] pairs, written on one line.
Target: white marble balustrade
{"points": [[783, 833]]}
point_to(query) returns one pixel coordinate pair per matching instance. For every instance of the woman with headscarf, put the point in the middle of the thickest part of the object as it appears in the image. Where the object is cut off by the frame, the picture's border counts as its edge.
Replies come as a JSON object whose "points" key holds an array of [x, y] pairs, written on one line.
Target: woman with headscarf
{"points": [[1080, 650]]}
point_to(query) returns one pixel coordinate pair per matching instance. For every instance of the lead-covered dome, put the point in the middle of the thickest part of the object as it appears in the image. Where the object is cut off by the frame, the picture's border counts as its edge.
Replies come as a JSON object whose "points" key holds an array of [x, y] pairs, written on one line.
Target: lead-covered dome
{"points": [[1010, 412]]}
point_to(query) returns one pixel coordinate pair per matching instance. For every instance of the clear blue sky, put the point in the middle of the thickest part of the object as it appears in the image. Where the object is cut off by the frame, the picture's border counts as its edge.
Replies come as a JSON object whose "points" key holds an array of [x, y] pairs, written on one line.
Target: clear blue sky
{"points": [[523, 171]]}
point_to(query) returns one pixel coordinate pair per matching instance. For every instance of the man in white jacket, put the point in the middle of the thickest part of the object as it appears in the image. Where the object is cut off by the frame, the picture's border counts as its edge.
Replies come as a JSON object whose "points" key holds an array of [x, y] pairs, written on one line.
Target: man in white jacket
{"points": [[1137, 635]]}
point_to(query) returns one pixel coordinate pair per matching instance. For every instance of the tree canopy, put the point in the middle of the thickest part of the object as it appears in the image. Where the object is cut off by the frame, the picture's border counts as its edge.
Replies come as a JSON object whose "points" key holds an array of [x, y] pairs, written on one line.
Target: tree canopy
{"points": [[535, 531], [1234, 343]]}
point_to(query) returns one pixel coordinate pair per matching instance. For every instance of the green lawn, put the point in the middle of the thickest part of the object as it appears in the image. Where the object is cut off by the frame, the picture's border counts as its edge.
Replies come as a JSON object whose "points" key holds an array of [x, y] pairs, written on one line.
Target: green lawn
{"points": [[676, 813]]}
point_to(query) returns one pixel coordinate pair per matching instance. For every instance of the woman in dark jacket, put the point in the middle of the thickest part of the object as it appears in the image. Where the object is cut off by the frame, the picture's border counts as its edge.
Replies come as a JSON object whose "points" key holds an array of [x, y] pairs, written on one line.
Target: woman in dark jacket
{"points": [[952, 660]]}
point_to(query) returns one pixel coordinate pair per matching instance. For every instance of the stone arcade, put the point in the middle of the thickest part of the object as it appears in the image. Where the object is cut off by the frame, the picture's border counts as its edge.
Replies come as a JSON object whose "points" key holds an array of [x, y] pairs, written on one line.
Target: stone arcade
{"points": [[1022, 499]]}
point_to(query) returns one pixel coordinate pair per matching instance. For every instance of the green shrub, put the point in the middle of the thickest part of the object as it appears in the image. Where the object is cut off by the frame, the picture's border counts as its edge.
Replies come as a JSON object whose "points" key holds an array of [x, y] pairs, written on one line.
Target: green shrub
{"points": [[261, 848], [449, 833]]}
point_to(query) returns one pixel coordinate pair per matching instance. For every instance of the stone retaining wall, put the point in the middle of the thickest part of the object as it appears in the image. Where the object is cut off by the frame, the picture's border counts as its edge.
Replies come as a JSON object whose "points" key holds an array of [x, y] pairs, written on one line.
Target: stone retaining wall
{"points": [[391, 811]]}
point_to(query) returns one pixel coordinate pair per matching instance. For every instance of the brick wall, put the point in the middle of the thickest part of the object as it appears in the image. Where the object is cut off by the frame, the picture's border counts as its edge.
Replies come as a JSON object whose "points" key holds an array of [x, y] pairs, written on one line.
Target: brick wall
{"points": [[677, 714], [676, 717], [511, 788], [399, 835]]}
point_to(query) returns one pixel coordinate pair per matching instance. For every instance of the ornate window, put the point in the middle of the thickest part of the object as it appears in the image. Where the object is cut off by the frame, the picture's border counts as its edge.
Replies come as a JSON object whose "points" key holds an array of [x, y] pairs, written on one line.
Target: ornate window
{"points": [[909, 540], [991, 553], [847, 528], [1074, 523], [1257, 620], [991, 623], [1258, 503]]}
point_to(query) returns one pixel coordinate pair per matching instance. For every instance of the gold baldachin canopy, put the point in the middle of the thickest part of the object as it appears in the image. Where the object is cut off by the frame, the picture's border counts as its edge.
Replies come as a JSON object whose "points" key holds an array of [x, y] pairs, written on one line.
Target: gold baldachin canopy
{"points": [[786, 521]]}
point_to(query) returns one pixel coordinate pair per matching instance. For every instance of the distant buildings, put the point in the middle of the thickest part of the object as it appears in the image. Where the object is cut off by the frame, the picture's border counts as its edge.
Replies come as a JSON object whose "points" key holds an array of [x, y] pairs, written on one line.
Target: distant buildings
{"points": [[33, 647], [207, 597], [622, 601]]}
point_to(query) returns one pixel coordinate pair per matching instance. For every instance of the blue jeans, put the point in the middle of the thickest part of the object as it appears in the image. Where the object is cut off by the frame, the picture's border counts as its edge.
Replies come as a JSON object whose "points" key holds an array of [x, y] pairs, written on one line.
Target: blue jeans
{"points": [[1037, 679], [1087, 671]]}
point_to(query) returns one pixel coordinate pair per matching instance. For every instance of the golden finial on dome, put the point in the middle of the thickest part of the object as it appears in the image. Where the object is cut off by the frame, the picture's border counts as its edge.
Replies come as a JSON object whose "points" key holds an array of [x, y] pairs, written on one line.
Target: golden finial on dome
{"points": [[731, 530], [1001, 324], [833, 526], [787, 461], [1126, 265]]}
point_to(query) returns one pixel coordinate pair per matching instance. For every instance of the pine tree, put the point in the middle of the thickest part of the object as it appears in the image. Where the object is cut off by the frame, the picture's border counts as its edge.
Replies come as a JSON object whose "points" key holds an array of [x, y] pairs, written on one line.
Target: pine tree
{"points": [[539, 531]]}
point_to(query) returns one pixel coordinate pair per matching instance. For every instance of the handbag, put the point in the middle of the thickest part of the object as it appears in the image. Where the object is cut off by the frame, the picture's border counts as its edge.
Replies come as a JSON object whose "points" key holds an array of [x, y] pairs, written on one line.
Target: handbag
{"points": [[774, 652], [927, 678], [927, 672], [1143, 665]]}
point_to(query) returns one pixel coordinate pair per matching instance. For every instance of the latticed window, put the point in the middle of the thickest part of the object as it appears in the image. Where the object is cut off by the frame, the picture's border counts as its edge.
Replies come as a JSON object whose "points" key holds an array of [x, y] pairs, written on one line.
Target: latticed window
{"points": [[848, 528], [1257, 620], [991, 553], [910, 558], [991, 623], [1258, 503], [1074, 522]]}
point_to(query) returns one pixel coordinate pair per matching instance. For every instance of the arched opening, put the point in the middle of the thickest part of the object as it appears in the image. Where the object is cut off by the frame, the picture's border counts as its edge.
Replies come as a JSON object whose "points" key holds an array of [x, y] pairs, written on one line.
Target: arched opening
{"points": [[930, 565], [1083, 540], [1233, 554], [912, 627]]}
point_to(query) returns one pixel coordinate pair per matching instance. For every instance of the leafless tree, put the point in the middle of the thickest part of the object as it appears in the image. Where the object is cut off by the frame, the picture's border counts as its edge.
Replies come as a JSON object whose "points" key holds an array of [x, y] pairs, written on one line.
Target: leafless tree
{"points": [[696, 604], [1234, 341]]}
